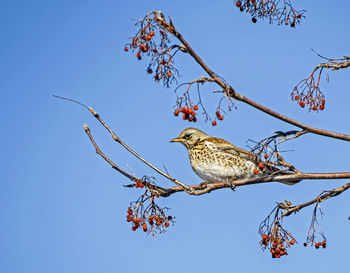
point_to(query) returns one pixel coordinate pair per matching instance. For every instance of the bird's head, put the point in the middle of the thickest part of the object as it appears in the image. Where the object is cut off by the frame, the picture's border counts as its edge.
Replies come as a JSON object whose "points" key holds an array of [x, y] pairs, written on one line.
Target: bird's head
{"points": [[190, 137]]}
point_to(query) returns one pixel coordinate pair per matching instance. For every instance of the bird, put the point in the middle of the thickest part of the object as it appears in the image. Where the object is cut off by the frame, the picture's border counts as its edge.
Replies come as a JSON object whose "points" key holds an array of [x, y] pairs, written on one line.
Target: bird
{"points": [[217, 160]]}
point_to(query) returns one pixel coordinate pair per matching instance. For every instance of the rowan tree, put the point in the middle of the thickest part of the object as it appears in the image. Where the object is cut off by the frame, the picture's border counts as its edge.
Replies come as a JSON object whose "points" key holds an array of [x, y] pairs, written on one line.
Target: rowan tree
{"points": [[156, 43]]}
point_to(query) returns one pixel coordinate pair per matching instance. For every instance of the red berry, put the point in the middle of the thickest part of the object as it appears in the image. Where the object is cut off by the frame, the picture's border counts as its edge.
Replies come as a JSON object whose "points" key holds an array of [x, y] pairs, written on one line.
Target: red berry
{"points": [[299, 16], [151, 33], [156, 77], [296, 97], [166, 224], [266, 156], [183, 110], [238, 4], [302, 104], [217, 113], [138, 55], [176, 112], [221, 117], [195, 107], [126, 48], [214, 123], [190, 119], [150, 71], [256, 171], [261, 166], [321, 107], [170, 218], [169, 74], [323, 102], [241, 9], [194, 119], [254, 20], [144, 227]]}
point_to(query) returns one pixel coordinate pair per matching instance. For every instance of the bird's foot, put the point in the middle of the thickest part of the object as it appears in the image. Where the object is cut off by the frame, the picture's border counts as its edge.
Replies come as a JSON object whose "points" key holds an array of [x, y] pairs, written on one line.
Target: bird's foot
{"points": [[232, 185], [203, 185]]}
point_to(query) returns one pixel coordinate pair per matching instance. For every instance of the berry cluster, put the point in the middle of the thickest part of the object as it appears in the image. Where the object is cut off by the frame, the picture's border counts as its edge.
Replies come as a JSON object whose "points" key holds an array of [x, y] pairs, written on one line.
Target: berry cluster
{"points": [[145, 43], [188, 113], [146, 215], [148, 224], [318, 244], [271, 10], [277, 246], [314, 104], [274, 236], [315, 229], [307, 92]]}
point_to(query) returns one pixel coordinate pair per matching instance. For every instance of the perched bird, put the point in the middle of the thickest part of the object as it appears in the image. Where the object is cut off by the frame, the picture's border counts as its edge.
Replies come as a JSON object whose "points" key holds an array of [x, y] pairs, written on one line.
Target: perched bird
{"points": [[217, 160]]}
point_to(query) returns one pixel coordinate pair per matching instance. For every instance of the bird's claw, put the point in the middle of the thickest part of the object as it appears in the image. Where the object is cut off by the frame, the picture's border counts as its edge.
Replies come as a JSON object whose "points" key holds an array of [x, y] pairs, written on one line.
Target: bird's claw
{"points": [[232, 185], [203, 185]]}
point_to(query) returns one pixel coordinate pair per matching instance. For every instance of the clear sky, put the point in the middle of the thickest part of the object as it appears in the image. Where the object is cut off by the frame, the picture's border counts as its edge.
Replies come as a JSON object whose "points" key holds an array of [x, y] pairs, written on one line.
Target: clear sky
{"points": [[62, 208]]}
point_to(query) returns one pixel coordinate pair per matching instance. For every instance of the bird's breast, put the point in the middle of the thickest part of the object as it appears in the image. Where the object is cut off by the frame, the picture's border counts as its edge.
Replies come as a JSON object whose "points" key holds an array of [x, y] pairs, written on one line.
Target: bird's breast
{"points": [[215, 166]]}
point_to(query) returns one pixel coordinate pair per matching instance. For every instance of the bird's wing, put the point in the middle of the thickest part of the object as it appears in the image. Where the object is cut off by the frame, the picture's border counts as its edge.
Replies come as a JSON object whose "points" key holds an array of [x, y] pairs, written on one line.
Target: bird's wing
{"points": [[229, 148]]}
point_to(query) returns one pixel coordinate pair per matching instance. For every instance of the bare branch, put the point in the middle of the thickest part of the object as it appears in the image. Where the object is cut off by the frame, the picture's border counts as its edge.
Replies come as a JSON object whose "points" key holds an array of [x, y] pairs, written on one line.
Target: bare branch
{"points": [[153, 188], [110, 162], [320, 198]]}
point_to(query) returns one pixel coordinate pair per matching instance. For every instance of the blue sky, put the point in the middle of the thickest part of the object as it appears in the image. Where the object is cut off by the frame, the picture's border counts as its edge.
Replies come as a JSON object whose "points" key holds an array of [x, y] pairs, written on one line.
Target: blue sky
{"points": [[62, 208]]}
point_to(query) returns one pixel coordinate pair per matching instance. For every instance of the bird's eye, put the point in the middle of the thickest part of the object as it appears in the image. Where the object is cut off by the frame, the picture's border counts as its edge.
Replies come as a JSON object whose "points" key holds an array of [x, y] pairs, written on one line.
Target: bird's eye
{"points": [[188, 136]]}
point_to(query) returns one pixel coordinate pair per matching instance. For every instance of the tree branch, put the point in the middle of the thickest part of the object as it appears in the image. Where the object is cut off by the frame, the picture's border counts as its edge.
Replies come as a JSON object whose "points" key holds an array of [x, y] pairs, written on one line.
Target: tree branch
{"points": [[234, 94]]}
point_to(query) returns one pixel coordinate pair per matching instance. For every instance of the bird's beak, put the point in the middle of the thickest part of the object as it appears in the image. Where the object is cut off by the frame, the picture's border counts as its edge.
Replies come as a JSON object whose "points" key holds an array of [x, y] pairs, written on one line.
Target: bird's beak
{"points": [[176, 140]]}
